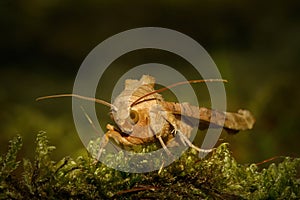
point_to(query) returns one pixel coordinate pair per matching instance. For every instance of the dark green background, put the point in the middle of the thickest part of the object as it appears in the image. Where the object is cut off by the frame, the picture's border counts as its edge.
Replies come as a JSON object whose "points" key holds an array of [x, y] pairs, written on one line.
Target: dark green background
{"points": [[256, 46]]}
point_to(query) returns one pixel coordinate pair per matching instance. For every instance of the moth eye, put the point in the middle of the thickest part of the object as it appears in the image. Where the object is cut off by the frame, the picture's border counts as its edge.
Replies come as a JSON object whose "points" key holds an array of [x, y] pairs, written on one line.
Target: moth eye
{"points": [[134, 116]]}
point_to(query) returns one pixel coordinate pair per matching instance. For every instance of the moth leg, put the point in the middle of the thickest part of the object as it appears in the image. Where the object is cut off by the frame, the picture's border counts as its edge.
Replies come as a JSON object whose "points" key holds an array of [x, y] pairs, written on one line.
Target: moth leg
{"points": [[104, 140], [184, 139], [164, 145], [111, 134], [161, 167], [103, 143], [190, 144], [118, 138]]}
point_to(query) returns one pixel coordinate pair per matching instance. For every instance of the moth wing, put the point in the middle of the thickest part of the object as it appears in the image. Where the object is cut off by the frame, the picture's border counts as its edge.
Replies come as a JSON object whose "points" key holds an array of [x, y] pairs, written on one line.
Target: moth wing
{"points": [[146, 79], [130, 83]]}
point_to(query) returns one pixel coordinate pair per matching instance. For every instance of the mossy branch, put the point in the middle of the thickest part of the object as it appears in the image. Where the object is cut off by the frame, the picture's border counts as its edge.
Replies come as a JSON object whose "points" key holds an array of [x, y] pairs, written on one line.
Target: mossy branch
{"points": [[218, 176]]}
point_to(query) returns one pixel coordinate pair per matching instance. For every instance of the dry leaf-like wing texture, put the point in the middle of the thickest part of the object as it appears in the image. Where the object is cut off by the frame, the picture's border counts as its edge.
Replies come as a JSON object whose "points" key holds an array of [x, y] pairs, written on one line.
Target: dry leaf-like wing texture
{"points": [[232, 122]]}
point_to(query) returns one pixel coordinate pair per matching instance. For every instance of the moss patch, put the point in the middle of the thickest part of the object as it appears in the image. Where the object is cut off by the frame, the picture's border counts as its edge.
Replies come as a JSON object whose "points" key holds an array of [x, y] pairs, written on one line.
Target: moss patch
{"points": [[218, 176]]}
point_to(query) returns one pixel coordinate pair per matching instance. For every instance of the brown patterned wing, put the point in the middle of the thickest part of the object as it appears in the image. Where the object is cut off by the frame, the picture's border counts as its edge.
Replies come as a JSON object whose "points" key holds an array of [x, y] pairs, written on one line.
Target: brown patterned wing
{"points": [[233, 122]]}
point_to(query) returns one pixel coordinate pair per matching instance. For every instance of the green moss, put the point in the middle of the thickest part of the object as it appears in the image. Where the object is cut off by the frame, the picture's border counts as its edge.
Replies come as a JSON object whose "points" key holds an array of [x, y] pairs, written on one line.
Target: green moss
{"points": [[218, 176]]}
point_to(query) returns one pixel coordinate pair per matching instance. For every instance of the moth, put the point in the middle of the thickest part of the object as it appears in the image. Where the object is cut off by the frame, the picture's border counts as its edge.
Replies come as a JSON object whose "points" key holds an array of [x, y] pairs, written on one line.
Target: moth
{"points": [[141, 117]]}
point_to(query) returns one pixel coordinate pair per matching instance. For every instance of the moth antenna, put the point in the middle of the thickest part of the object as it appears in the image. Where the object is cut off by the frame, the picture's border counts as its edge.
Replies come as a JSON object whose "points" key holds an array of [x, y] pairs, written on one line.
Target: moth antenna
{"points": [[90, 120], [176, 84], [79, 97]]}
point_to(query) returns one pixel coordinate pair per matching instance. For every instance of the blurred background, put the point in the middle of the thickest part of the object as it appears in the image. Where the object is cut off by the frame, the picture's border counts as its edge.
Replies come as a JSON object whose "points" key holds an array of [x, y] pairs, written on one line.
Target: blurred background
{"points": [[255, 44]]}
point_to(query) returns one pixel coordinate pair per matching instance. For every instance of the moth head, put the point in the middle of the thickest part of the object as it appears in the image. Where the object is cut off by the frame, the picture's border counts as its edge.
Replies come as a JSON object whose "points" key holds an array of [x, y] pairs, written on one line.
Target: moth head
{"points": [[125, 117]]}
